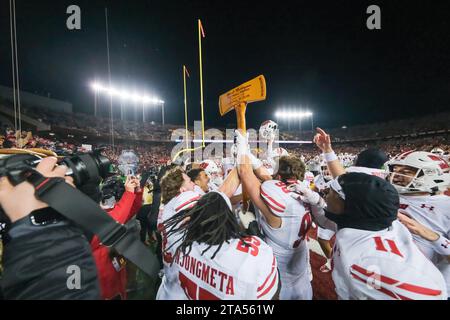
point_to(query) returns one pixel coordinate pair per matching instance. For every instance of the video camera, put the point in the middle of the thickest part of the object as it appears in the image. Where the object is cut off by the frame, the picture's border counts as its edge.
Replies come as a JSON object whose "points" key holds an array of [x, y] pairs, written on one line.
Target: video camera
{"points": [[76, 205], [85, 169], [112, 187]]}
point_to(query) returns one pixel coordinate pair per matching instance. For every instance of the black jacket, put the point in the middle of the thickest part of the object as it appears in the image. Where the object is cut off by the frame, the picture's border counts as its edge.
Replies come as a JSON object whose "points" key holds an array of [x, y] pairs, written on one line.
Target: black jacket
{"points": [[43, 262]]}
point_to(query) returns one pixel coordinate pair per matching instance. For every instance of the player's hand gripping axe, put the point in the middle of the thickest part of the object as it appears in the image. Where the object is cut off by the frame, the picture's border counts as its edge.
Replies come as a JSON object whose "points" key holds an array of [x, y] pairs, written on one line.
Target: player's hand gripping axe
{"points": [[237, 99]]}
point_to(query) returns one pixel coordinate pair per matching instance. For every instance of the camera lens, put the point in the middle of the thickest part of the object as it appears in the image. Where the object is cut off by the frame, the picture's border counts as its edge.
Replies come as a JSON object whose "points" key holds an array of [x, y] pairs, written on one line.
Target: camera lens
{"points": [[88, 168]]}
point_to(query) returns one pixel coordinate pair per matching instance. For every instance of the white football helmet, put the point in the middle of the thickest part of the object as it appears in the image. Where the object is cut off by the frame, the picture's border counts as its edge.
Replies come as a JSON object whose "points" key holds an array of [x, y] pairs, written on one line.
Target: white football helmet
{"points": [[324, 172], [438, 151], [279, 152], [313, 165], [213, 171], [268, 129], [308, 179], [430, 173]]}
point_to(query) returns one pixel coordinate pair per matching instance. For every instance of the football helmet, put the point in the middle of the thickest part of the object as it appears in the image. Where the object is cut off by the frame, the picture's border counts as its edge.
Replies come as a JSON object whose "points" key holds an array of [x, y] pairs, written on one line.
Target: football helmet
{"points": [[213, 171], [324, 172], [429, 173], [438, 151], [308, 179], [279, 152], [268, 129]]}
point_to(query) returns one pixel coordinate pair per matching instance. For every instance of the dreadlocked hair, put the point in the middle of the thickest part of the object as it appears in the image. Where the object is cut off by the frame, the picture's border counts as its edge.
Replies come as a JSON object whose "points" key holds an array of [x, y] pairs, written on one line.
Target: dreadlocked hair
{"points": [[210, 221]]}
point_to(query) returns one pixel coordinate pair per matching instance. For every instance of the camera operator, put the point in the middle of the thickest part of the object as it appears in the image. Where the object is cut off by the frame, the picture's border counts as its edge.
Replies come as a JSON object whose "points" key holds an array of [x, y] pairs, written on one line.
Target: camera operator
{"points": [[39, 259], [110, 265]]}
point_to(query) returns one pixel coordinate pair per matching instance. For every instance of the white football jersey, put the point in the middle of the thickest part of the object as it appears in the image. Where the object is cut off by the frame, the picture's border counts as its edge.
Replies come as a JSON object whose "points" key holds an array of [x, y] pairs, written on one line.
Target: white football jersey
{"points": [[325, 234], [269, 165], [384, 265], [288, 241], [431, 211], [183, 201], [434, 213], [237, 272]]}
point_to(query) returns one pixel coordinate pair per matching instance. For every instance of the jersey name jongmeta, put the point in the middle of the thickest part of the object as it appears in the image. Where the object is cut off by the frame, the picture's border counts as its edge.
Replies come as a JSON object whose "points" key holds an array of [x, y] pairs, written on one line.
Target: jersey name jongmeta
{"points": [[215, 278]]}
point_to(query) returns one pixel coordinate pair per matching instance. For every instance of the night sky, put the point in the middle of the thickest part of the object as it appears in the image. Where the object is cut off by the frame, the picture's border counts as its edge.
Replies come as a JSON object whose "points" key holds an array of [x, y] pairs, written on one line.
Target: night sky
{"points": [[314, 54]]}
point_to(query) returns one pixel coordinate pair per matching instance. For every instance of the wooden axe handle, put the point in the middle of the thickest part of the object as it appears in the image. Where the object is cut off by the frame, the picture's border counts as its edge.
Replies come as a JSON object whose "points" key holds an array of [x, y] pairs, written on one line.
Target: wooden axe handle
{"points": [[240, 113], [241, 124]]}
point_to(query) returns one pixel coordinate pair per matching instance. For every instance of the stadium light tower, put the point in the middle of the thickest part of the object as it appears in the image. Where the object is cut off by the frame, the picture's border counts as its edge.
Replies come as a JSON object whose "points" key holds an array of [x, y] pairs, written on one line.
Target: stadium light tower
{"points": [[288, 115], [127, 95]]}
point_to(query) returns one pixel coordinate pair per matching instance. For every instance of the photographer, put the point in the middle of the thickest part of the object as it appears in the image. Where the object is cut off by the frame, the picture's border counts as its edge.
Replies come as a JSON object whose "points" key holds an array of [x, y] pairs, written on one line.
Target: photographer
{"points": [[110, 265], [44, 260]]}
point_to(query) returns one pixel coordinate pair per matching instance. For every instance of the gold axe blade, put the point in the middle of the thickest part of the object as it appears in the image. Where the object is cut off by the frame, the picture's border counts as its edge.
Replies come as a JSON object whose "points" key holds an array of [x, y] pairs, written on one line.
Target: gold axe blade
{"points": [[237, 99]]}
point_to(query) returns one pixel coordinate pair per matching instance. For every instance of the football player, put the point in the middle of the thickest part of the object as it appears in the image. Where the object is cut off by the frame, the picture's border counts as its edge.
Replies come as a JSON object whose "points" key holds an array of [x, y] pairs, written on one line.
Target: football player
{"points": [[323, 141], [178, 195], [374, 256], [284, 220], [215, 260], [419, 177]]}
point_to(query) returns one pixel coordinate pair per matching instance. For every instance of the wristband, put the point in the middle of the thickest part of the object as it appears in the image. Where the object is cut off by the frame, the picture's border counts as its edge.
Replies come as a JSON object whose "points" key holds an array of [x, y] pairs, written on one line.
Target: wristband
{"points": [[330, 156], [442, 246]]}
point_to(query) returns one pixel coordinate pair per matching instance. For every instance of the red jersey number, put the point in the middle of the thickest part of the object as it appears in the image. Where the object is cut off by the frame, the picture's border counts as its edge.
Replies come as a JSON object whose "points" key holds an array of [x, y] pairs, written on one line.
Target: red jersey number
{"points": [[304, 228], [193, 291], [283, 186], [249, 245], [380, 245]]}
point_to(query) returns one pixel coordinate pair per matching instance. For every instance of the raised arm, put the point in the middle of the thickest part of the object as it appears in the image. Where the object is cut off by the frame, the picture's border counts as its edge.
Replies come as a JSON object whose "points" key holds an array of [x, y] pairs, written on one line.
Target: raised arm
{"points": [[230, 184], [323, 142], [251, 183]]}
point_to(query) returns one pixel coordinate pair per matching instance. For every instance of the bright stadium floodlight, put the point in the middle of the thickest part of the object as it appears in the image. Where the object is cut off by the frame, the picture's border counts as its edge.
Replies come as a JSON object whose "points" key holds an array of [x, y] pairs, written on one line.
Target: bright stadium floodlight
{"points": [[96, 86], [293, 114], [126, 95], [113, 92]]}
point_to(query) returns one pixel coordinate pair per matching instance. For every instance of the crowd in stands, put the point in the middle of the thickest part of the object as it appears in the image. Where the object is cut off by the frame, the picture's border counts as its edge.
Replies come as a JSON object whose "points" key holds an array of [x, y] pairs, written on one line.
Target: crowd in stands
{"points": [[151, 131], [430, 124], [152, 143], [391, 146], [153, 154]]}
